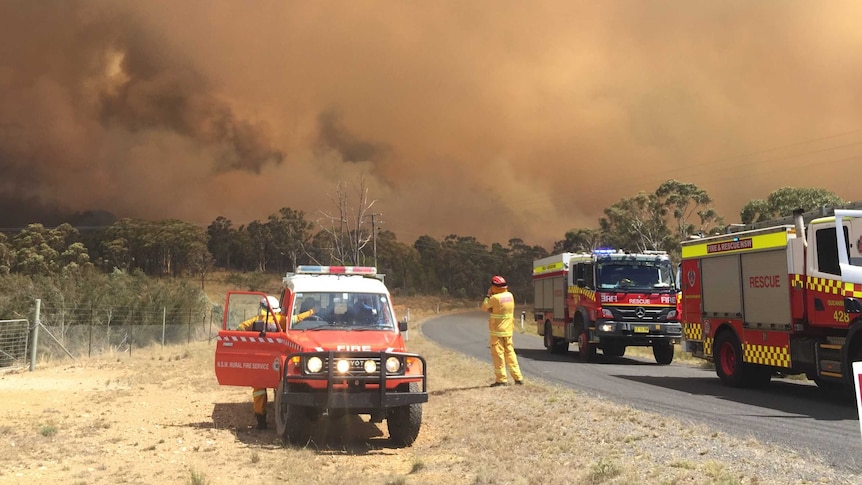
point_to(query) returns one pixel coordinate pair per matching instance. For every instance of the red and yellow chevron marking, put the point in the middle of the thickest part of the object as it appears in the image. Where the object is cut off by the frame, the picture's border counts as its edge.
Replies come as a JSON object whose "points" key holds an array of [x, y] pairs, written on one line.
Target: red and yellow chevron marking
{"points": [[584, 292], [766, 355], [827, 285]]}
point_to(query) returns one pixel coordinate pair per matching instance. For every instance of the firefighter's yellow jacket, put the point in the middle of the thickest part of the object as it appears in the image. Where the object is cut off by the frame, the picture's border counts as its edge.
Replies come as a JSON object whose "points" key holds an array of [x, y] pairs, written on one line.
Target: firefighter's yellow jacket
{"points": [[501, 305]]}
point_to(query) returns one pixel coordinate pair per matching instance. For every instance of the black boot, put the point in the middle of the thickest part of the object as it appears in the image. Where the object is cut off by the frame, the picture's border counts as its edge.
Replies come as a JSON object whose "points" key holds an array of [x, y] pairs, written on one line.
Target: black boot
{"points": [[261, 420]]}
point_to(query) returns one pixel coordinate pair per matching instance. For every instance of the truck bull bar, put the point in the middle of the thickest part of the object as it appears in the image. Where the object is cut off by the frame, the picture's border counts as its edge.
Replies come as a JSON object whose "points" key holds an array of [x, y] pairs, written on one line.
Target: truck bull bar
{"points": [[353, 392]]}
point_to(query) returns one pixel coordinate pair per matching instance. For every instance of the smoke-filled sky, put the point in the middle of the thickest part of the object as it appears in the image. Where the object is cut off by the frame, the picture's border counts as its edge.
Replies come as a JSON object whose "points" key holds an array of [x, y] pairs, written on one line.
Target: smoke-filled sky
{"points": [[494, 119]]}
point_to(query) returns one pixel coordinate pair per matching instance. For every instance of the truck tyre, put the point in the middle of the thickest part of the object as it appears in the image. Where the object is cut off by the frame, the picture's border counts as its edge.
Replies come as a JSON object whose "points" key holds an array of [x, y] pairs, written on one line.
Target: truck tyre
{"points": [[586, 350], [549, 338], [727, 355], [663, 353], [613, 349], [404, 422], [553, 344], [291, 422]]}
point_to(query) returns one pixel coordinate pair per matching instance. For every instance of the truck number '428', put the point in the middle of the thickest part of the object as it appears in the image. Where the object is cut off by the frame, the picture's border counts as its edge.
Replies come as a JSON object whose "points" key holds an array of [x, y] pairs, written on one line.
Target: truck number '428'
{"points": [[841, 317]]}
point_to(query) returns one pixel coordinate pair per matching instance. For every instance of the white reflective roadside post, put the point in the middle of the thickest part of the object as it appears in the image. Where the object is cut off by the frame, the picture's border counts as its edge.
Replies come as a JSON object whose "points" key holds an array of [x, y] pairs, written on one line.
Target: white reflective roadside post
{"points": [[857, 381]]}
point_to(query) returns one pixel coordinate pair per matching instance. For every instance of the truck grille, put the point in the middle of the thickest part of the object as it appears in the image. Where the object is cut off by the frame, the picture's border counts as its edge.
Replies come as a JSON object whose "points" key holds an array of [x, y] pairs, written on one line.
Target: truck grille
{"points": [[639, 314], [357, 365]]}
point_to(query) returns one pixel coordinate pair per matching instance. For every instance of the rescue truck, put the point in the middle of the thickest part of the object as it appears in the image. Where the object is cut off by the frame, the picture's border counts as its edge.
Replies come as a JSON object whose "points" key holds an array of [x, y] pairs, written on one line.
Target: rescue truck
{"points": [[607, 300], [347, 357], [777, 297]]}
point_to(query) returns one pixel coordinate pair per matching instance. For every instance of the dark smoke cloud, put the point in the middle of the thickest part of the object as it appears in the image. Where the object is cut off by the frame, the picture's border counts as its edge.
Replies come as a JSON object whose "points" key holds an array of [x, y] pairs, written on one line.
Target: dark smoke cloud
{"points": [[521, 120], [334, 136]]}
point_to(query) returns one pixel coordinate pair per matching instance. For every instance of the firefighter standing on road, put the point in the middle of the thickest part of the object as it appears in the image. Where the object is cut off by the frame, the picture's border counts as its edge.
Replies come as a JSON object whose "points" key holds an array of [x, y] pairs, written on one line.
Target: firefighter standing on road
{"points": [[501, 304], [273, 321]]}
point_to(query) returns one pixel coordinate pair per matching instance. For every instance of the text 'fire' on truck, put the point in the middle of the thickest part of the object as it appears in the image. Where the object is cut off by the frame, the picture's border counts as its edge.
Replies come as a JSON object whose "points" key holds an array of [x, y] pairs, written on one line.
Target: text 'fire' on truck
{"points": [[607, 300], [347, 357], [771, 298]]}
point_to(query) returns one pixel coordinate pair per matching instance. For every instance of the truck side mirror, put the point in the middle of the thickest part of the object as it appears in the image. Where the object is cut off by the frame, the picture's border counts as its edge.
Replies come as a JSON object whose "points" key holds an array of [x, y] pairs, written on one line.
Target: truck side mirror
{"points": [[402, 325], [581, 283], [852, 305]]}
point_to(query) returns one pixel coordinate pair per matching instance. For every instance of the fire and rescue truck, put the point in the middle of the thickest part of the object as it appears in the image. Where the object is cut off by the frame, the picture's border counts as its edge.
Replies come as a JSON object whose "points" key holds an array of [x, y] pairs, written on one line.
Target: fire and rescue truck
{"points": [[347, 357], [607, 299], [769, 298]]}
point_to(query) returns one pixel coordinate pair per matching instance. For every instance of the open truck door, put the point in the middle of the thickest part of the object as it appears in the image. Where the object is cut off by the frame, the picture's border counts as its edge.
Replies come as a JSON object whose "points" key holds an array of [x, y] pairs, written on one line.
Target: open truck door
{"points": [[252, 358]]}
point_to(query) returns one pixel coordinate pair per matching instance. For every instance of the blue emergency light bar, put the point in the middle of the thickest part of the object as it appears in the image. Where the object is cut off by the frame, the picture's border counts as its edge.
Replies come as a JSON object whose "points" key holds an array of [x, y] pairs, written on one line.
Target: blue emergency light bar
{"points": [[349, 270], [604, 251]]}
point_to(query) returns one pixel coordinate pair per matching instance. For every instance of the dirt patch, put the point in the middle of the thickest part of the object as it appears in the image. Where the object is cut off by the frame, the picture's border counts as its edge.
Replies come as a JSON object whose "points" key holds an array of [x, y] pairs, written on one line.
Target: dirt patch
{"points": [[161, 417]]}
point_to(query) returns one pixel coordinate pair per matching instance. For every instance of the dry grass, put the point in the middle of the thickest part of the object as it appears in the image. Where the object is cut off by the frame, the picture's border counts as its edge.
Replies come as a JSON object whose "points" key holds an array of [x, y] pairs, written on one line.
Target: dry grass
{"points": [[160, 417]]}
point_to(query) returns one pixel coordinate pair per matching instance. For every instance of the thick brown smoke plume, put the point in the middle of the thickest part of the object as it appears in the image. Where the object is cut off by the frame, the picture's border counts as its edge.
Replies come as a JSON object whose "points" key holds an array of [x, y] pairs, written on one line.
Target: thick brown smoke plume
{"points": [[518, 120]]}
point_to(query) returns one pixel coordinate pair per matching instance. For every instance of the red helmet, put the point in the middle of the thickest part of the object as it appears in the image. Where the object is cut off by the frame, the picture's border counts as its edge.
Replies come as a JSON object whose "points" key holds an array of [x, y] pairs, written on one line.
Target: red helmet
{"points": [[498, 281]]}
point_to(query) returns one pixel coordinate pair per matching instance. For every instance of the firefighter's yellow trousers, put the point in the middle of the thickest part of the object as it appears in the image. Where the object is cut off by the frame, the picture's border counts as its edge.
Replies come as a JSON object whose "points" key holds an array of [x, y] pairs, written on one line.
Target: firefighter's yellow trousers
{"points": [[258, 396], [503, 355]]}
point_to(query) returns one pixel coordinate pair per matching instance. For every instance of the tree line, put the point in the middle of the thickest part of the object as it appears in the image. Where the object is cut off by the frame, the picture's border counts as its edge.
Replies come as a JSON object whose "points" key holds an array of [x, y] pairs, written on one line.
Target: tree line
{"points": [[457, 265]]}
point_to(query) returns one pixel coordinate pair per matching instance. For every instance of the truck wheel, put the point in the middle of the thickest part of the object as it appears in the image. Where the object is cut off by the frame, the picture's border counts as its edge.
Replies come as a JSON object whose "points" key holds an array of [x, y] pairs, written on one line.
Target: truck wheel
{"points": [[727, 354], [663, 353], [586, 350], [291, 422], [549, 338], [404, 422], [613, 349]]}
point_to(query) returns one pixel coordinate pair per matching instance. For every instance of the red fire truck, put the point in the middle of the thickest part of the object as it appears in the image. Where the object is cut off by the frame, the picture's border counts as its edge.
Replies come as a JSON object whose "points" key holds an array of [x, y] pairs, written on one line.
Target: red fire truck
{"points": [[607, 299], [348, 357], [771, 298]]}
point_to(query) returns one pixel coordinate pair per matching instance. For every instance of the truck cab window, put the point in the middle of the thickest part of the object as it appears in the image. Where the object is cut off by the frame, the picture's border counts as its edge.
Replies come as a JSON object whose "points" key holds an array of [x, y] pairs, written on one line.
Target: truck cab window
{"points": [[827, 250]]}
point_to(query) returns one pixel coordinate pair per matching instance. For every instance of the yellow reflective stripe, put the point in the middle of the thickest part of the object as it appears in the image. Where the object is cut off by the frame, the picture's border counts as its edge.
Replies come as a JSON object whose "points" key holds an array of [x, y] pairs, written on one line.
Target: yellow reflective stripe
{"points": [[558, 266], [502, 315], [736, 243], [259, 393], [501, 334]]}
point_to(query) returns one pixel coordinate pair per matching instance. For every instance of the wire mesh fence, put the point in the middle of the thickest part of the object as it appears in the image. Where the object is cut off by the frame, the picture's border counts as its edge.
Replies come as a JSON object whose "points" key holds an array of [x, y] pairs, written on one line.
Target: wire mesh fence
{"points": [[14, 335], [82, 333]]}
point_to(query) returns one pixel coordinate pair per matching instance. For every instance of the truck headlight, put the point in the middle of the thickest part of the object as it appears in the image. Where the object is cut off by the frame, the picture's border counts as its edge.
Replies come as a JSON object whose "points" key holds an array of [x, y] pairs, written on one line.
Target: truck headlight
{"points": [[342, 366], [370, 366], [606, 327], [313, 365], [393, 365]]}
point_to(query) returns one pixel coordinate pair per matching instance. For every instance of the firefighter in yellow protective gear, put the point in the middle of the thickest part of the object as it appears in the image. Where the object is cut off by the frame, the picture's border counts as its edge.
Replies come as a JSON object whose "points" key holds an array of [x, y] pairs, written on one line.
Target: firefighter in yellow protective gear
{"points": [[274, 322], [501, 304]]}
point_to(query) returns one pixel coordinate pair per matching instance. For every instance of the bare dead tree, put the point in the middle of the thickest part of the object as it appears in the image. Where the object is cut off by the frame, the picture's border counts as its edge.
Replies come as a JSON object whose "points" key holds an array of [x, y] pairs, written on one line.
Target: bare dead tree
{"points": [[346, 226]]}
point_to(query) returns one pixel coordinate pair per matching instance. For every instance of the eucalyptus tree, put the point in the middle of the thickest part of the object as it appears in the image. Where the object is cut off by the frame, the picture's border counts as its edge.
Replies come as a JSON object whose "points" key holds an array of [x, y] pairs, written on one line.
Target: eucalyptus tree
{"points": [[399, 262], [260, 237], [689, 209], [291, 236], [430, 260], [219, 235], [782, 202], [579, 240], [636, 223], [37, 249], [464, 266]]}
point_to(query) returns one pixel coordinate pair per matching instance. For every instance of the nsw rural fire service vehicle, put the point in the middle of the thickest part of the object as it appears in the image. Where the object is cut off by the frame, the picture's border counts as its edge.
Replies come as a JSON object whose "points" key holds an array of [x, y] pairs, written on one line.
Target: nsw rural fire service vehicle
{"points": [[341, 352], [771, 298], [607, 299]]}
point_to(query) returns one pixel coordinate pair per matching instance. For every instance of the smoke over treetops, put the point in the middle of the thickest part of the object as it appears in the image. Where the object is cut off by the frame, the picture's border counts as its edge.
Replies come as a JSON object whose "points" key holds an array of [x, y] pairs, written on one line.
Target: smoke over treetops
{"points": [[519, 120]]}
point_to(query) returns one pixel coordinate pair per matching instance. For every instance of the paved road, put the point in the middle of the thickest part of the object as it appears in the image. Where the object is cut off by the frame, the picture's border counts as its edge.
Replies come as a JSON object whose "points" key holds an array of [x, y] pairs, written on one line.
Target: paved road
{"points": [[793, 414]]}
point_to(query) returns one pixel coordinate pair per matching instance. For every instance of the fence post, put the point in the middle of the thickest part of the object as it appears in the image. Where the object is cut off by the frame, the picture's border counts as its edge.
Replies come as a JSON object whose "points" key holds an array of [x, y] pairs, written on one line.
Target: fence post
{"points": [[35, 343], [164, 319]]}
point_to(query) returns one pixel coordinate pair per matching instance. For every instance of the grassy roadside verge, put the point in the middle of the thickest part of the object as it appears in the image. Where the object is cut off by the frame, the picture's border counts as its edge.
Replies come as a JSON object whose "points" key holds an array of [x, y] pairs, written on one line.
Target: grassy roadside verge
{"points": [[541, 433]]}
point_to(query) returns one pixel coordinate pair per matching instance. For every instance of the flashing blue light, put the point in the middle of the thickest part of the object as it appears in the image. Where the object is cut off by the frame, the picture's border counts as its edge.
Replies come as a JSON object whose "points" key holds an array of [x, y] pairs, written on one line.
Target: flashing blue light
{"points": [[604, 251]]}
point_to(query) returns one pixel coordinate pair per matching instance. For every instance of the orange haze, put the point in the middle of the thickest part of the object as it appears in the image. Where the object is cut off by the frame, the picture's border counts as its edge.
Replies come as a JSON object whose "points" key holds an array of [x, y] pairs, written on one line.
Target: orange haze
{"points": [[489, 119]]}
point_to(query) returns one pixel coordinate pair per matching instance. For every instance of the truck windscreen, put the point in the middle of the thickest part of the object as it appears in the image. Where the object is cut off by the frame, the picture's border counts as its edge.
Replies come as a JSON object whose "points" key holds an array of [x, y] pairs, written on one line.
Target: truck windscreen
{"points": [[635, 275]]}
